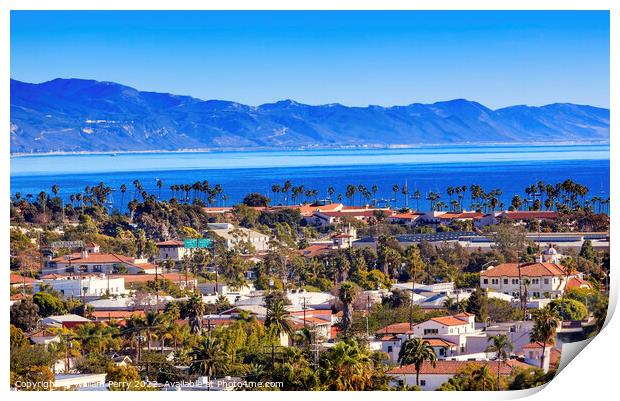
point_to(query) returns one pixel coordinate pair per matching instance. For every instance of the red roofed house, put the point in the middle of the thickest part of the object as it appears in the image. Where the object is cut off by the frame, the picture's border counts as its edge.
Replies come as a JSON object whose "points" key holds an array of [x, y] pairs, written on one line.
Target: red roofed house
{"points": [[90, 260], [407, 219], [432, 378], [20, 281], [447, 335], [446, 218], [533, 353], [546, 280], [364, 214]]}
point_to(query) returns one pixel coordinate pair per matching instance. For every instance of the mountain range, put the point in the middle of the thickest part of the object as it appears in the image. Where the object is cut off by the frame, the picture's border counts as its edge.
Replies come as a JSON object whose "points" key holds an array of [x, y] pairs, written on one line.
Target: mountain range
{"points": [[78, 115]]}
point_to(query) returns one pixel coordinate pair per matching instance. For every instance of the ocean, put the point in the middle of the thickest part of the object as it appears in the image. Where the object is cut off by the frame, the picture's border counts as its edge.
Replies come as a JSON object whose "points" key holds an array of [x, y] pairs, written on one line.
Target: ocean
{"points": [[432, 168]]}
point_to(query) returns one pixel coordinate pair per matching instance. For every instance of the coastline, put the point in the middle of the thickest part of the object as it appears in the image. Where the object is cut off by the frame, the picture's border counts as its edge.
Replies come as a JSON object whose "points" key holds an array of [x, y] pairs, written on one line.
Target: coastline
{"points": [[308, 148]]}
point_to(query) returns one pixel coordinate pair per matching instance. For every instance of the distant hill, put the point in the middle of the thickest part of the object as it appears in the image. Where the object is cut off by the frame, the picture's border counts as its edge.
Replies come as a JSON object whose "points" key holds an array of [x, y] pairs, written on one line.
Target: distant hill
{"points": [[71, 115]]}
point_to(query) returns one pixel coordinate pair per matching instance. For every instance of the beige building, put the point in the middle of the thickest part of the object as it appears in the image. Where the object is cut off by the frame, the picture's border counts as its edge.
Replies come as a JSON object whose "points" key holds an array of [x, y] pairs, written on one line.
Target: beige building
{"points": [[240, 236]]}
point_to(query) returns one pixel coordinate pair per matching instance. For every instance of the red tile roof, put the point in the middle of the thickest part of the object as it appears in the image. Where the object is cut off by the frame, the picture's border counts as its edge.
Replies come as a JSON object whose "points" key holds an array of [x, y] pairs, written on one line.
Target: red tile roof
{"points": [[449, 321], [116, 314], [463, 215], [536, 345], [315, 250], [576, 282], [439, 342], [533, 214], [408, 215], [464, 314], [19, 279], [527, 270], [95, 257], [170, 243], [396, 328]]}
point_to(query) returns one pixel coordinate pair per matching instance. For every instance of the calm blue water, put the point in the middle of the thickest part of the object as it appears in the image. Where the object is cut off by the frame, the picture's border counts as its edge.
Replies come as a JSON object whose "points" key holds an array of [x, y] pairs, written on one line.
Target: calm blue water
{"points": [[510, 168]]}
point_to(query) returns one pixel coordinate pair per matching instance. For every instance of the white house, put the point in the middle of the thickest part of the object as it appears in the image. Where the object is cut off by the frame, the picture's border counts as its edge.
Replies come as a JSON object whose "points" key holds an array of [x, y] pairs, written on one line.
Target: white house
{"points": [[91, 260], [544, 280], [448, 335], [533, 353], [89, 286], [431, 378]]}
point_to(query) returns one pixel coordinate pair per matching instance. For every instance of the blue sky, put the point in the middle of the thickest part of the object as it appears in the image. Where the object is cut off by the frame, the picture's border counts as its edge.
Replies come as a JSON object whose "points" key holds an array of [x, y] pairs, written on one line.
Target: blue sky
{"points": [[354, 58]]}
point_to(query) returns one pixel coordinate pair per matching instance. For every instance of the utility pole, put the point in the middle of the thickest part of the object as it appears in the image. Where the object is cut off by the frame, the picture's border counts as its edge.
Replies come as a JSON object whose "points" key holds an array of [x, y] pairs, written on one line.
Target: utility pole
{"points": [[304, 298], [367, 314], [156, 288]]}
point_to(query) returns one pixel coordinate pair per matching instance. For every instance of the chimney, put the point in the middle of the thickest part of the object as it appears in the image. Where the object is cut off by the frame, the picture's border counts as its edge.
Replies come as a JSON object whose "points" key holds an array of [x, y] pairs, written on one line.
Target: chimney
{"points": [[84, 254]]}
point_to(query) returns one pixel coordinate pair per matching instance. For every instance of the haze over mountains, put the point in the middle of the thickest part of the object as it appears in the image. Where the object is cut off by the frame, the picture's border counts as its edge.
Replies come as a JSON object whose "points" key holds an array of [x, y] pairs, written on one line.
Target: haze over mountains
{"points": [[75, 115]]}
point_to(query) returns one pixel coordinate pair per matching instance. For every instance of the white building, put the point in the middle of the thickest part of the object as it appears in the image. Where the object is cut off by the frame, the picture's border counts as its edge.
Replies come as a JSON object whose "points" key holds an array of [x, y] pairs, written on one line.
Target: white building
{"points": [[431, 378], [237, 236], [172, 250], [79, 381], [533, 354], [448, 335], [91, 260], [90, 286], [544, 280]]}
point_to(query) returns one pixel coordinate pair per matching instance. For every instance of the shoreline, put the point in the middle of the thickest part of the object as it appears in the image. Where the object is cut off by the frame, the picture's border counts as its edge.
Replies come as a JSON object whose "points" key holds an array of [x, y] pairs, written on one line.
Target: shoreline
{"points": [[306, 148]]}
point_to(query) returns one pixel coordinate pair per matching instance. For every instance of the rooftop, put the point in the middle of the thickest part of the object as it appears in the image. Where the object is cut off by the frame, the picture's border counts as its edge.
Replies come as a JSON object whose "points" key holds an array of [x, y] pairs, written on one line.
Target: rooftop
{"points": [[524, 269]]}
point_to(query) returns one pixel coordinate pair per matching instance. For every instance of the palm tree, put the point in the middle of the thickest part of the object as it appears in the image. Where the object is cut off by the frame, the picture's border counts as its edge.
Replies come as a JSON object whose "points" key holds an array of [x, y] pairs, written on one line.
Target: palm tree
{"points": [[160, 183], [331, 191], [275, 189], [154, 322], [416, 351], [278, 319], [285, 188], [195, 309], [209, 357], [395, 189], [546, 323], [346, 294], [347, 366], [502, 346]]}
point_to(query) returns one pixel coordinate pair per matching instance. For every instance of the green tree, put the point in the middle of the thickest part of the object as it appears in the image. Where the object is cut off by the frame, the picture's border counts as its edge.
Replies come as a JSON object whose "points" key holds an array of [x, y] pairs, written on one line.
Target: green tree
{"points": [[49, 304], [255, 199], [477, 303], [569, 309]]}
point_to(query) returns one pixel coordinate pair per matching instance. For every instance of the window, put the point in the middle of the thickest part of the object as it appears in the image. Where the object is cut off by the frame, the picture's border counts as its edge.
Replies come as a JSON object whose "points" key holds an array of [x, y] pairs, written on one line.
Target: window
{"points": [[97, 268], [495, 281], [485, 281], [431, 331], [515, 281], [390, 349], [401, 383], [535, 281], [505, 281], [546, 281], [422, 382], [442, 351]]}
